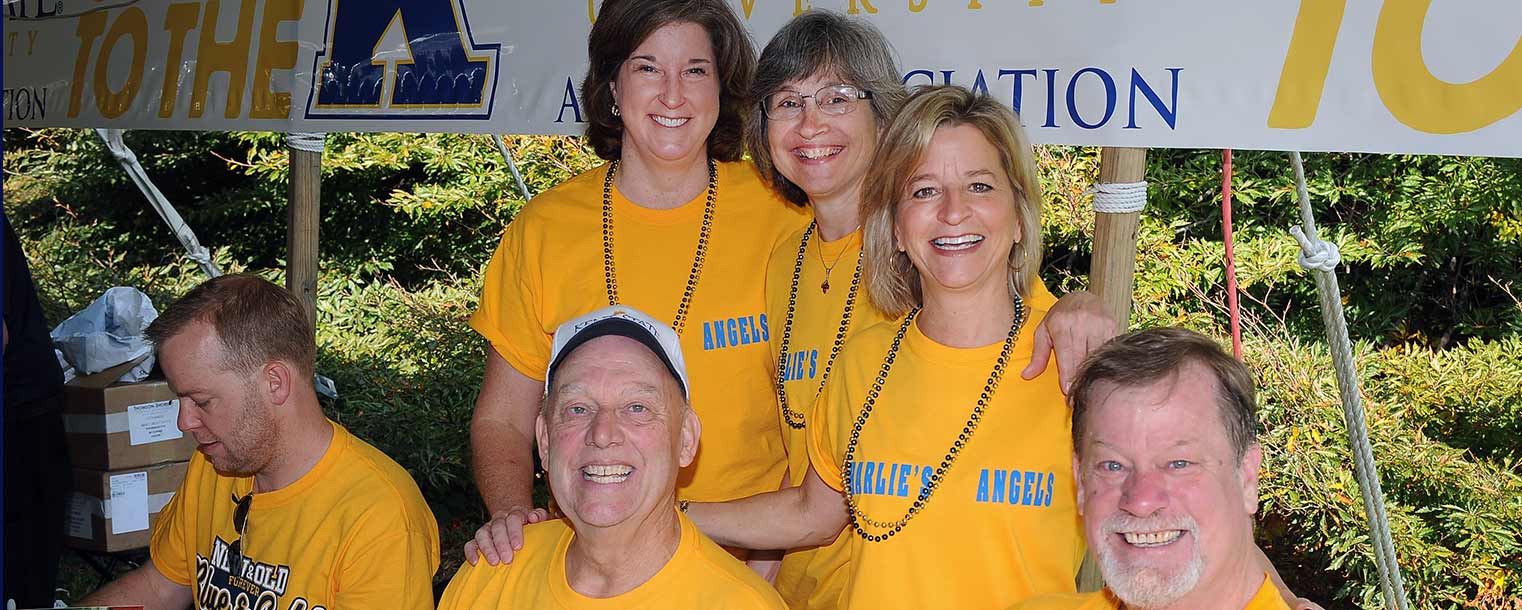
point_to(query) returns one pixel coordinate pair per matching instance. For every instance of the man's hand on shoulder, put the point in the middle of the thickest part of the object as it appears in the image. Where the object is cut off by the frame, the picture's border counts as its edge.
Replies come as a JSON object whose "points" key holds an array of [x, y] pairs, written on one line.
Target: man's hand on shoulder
{"points": [[499, 539]]}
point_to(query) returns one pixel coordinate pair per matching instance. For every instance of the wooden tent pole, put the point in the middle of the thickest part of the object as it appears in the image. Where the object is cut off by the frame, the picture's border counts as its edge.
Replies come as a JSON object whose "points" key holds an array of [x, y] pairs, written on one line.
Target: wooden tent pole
{"points": [[305, 213], [1113, 272]]}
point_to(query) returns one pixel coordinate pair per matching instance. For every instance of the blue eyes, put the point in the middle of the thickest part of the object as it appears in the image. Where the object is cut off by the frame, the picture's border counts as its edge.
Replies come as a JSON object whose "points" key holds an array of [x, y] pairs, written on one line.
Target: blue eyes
{"points": [[927, 192], [1113, 466], [579, 409]]}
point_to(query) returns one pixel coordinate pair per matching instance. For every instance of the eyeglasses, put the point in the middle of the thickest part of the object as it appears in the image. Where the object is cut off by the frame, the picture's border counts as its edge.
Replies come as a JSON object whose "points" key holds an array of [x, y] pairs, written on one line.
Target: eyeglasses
{"points": [[240, 523], [834, 100]]}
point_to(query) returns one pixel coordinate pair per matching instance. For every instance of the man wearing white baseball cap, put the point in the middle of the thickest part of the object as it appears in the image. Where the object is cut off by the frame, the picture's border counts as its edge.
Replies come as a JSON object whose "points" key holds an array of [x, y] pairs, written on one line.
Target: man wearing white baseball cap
{"points": [[614, 429]]}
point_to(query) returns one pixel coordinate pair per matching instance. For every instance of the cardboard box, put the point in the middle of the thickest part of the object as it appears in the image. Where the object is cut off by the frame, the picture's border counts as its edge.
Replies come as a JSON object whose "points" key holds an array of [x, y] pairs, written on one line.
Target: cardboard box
{"points": [[115, 510], [112, 426]]}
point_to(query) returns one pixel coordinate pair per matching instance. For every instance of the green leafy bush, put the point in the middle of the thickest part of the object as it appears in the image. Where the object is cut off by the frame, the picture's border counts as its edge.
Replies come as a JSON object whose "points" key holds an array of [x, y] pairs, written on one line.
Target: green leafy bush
{"points": [[1430, 247]]}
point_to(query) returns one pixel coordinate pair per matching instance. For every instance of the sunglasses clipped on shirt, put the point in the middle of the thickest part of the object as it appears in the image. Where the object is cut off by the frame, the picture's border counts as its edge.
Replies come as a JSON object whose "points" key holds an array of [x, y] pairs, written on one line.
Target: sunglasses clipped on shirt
{"points": [[240, 525]]}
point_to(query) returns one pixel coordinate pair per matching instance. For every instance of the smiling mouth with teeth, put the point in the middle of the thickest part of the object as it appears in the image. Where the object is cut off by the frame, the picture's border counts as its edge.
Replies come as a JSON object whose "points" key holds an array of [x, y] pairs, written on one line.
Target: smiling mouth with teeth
{"points": [[819, 153], [668, 122], [606, 473], [960, 242], [1152, 539]]}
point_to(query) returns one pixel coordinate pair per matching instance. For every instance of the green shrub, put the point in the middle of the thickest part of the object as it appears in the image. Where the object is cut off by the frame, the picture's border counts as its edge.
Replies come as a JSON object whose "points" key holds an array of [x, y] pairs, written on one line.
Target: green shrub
{"points": [[1453, 514], [1430, 248]]}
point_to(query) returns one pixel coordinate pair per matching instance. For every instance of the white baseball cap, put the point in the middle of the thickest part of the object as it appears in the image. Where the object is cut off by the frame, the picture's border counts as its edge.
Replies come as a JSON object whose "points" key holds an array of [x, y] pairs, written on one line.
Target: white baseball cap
{"points": [[623, 321]]}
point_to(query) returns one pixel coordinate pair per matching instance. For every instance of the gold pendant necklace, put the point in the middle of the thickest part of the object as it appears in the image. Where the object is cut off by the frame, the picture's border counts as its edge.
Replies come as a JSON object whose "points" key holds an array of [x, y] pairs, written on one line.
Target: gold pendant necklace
{"points": [[610, 274], [829, 268], [795, 419], [888, 529]]}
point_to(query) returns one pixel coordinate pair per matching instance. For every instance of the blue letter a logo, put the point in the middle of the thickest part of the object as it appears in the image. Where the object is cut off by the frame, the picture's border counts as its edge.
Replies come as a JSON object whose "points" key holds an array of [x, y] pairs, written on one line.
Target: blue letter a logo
{"points": [[434, 68]]}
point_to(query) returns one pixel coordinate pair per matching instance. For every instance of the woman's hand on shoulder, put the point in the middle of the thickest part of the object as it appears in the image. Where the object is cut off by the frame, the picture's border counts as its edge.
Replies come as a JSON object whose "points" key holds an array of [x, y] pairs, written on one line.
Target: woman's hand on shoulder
{"points": [[502, 536], [1076, 326]]}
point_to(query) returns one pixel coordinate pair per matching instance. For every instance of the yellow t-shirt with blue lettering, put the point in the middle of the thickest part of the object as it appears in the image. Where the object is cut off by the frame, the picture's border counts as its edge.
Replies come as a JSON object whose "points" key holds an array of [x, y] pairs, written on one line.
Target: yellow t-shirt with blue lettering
{"points": [[549, 268], [353, 532], [813, 577], [1267, 598], [1003, 524], [699, 575]]}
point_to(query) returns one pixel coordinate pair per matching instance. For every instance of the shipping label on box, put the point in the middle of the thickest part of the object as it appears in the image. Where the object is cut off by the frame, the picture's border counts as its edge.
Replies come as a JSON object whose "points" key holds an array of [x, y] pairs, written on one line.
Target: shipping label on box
{"points": [[128, 511], [152, 422]]}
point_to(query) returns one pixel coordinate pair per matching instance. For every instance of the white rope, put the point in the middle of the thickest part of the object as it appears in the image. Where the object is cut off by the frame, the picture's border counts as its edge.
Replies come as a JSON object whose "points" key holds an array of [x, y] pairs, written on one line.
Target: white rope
{"points": [[1316, 255], [128, 160], [511, 165], [1119, 197], [1322, 258], [308, 142]]}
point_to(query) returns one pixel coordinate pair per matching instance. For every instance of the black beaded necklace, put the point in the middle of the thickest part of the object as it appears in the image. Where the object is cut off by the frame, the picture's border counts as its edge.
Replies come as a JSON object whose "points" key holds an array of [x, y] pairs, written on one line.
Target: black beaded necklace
{"points": [[795, 419], [887, 529], [610, 274]]}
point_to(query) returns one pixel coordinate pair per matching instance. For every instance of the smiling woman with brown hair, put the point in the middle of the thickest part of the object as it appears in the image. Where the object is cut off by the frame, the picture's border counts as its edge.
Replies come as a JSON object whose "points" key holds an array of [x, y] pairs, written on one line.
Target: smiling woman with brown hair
{"points": [[673, 224]]}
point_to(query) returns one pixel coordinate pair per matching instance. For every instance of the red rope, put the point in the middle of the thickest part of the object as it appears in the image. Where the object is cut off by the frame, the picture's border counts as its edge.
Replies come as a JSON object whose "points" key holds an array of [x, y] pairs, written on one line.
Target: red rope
{"points": [[1231, 257]]}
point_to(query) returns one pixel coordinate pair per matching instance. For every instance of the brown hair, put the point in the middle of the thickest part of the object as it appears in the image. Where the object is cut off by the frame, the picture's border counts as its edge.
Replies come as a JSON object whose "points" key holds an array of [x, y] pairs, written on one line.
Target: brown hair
{"points": [[620, 28], [891, 279], [256, 321], [819, 42], [1145, 357]]}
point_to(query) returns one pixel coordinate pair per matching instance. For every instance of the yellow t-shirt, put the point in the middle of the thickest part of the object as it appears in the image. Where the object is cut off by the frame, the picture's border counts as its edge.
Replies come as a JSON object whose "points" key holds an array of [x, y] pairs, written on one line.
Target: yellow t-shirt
{"points": [[1003, 524], [549, 268], [699, 575], [353, 532], [814, 577], [1267, 598]]}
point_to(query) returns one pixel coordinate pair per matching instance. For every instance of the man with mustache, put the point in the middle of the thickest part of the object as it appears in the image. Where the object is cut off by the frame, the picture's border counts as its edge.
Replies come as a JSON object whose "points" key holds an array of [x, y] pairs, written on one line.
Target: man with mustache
{"points": [[1166, 458]]}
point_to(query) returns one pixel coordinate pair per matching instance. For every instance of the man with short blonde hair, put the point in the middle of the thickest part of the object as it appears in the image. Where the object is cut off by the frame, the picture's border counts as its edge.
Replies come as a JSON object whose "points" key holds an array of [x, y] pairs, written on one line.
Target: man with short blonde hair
{"points": [[281, 507]]}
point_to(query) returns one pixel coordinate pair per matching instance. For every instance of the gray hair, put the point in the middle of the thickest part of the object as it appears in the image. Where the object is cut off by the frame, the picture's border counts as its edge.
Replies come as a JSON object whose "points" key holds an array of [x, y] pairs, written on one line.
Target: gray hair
{"points": [[819, 42]]}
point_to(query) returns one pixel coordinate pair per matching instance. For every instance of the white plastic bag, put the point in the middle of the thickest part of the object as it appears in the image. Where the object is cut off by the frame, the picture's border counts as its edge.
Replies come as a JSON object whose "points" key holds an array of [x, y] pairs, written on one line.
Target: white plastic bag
{"points": [[109, 332]]}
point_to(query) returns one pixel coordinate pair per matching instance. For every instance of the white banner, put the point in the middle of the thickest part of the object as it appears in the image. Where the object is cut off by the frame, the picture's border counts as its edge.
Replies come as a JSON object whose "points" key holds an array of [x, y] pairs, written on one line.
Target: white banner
{"points": [[1402, 76]]}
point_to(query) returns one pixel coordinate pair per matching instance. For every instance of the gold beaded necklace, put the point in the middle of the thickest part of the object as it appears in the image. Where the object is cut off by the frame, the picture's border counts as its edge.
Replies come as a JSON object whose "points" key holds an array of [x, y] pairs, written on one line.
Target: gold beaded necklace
{"points": [[888, 529], [795, 419], [610, 274]]}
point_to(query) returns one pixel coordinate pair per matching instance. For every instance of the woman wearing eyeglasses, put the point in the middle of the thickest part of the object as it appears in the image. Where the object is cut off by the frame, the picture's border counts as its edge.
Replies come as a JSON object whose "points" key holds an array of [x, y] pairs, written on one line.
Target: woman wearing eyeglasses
{"points": [[828, 85]]}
